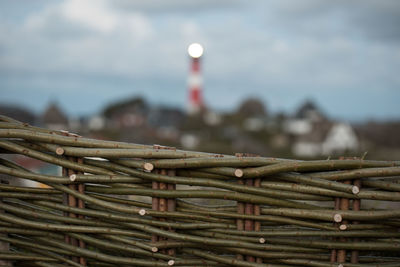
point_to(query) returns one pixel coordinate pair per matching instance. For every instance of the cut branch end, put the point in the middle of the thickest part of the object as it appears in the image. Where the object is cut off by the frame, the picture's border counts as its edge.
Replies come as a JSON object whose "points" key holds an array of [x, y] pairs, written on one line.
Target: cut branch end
{"points": [[337, 217]]}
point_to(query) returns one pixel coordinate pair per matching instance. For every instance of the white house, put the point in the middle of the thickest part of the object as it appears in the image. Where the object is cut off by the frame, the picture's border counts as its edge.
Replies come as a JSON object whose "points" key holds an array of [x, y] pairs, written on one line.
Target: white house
{"points": [[326, 139], [341, 138]]}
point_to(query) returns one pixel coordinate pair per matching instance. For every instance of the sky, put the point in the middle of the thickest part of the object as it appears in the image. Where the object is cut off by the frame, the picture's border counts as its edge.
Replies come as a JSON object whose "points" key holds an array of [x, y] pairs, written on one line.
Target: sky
{"points": [[84, 54]]}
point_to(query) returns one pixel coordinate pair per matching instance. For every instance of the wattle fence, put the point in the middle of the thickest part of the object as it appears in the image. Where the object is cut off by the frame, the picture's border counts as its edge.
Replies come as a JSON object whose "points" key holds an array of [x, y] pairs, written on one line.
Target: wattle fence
{"points": [[123, 204]]}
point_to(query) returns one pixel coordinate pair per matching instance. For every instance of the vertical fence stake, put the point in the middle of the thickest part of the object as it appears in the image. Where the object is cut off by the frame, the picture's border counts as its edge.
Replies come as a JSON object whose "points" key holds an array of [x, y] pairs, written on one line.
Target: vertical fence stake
{"points": [[171, 206], [71, 201], [356, 206], [154, 204], [81, 205], [334, 251], [249, 224], [257, 211], [240, 222], [344, 205], [248, 209], [164, 204]]}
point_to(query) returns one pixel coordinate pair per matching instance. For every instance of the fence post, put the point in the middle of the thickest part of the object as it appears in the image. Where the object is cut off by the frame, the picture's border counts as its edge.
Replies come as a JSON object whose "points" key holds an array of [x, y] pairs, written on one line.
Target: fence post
{"points": [[71, 201], [356, 205], [344, 205], [163, 204], [257, 212], [334, 251], [248, 209], [240, 222]]}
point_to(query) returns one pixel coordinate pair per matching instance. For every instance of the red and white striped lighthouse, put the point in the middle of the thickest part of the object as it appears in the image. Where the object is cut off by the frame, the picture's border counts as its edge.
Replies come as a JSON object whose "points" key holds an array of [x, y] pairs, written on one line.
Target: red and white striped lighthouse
{"points": [[196, 103]]}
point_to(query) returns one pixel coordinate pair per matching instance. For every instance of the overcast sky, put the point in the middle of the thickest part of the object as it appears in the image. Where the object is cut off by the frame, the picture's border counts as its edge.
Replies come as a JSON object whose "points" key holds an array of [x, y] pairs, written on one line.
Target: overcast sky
{"points": [[344, 54]]}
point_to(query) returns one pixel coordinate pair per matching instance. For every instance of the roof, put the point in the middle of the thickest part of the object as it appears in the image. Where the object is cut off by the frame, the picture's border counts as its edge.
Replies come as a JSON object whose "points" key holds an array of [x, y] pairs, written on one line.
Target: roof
{"points": [[309, 110], [54, 115]]}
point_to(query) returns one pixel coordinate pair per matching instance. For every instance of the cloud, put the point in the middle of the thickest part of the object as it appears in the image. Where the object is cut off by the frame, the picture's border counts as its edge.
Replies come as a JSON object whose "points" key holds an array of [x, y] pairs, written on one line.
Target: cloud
{"points": [[175, 6], [272, 49], [371, 19], [76, 35]]}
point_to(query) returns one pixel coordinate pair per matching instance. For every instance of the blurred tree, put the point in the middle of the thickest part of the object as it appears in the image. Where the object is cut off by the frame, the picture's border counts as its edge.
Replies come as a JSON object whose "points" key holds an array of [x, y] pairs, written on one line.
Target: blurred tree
{"points": [[18, 113], [252, 107], [133, 105]]}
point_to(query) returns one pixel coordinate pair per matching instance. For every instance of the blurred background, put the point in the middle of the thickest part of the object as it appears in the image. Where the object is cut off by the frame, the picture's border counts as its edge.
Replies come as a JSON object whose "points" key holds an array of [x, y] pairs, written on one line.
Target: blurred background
{"points": [[303, 79]]}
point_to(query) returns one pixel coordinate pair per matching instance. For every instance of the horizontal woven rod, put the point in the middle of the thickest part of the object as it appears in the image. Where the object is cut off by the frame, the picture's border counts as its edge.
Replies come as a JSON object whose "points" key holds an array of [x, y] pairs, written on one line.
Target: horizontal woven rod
{"points": [[108, 244], [275, 255], [178, 260], [201, 174], [211, 183], [360, 173], [34, 244], [382, 185], [45, 264], [227, 260], [368, 246], [282, 194], [225, 171], [10, 120], [51, 159], [191, 205], [51, 148], [124, 208], [120, 246], [64, 228], [324, 214], [314, 263], [379, 195], [309, 233], [103, 257], [41, 136], [26, 126], [212, 162], [167, 224], [210, 194], [314, 181], [64, 180], [190, 263], [316, 165], [30, 196], [269, 250], [148, 229], [44, 215], [267, 246], [126, 153], [76, 141], [130, 242], [5, 187], [269, 218], [22, 231], [55, 256], [24, 256], [30, 145], [302, 188], [127, 218]]}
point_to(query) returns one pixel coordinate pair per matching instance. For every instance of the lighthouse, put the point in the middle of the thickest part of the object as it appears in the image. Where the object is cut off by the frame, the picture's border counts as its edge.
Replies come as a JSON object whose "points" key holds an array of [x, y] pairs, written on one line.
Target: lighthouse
{"points": [[196, 103]]}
